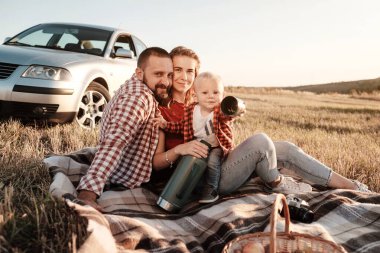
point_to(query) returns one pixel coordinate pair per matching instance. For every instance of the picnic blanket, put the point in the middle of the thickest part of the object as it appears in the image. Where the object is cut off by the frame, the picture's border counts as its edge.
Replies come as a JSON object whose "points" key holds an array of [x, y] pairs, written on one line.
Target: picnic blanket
{"points": [[132, 222]]}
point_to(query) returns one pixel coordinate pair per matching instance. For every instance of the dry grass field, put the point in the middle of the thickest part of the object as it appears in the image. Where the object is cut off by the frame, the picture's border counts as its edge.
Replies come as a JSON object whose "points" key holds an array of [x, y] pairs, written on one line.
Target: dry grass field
{"points": [[341, 131]]}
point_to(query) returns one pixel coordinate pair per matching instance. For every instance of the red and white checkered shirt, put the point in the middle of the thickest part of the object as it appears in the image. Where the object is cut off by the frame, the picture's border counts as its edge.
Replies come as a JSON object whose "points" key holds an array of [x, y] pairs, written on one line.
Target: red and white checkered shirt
{"points": [[221, 124], [128, 139]]}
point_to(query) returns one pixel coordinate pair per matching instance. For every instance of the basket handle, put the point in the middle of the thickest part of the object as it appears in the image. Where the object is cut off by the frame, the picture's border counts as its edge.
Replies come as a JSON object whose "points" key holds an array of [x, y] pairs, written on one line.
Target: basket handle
{"points": [[273, 220]]}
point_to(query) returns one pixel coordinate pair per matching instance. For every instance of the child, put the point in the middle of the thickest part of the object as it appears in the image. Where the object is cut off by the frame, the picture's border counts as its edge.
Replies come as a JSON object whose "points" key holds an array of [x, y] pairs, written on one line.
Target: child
{"points": [[204, 121]]}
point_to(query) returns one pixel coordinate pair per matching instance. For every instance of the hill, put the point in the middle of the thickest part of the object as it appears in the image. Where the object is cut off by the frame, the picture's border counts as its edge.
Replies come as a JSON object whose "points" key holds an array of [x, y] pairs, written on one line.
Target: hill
{"points": [[351, 87]]}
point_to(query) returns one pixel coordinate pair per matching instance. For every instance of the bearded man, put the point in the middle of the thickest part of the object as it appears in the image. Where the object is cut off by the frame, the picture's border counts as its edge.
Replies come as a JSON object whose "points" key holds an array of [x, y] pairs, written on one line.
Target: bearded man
{"points": [[128, 135]]}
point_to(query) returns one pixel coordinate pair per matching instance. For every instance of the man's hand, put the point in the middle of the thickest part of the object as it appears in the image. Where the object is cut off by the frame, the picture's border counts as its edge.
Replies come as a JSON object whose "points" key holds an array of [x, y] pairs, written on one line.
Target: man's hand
{"points": [[89, 198]]}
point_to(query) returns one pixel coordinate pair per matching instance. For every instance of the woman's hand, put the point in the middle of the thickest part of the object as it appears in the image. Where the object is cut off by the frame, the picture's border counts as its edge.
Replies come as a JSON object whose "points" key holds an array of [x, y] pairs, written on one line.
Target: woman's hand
{"points": [[194, 148], [162, 159]]}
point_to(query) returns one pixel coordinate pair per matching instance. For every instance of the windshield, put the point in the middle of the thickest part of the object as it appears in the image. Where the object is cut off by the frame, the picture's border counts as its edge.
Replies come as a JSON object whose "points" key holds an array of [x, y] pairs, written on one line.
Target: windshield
{"points": [[64, 37]]}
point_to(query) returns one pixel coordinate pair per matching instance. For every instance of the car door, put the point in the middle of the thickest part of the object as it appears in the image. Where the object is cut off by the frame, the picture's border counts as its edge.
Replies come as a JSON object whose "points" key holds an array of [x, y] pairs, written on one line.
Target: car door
{"points": [[122, 67]]}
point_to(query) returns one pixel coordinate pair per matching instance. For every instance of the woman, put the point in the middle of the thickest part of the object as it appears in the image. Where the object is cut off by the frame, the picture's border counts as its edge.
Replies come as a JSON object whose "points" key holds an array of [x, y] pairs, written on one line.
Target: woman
{"points": [[258, 154], [170, 146]]}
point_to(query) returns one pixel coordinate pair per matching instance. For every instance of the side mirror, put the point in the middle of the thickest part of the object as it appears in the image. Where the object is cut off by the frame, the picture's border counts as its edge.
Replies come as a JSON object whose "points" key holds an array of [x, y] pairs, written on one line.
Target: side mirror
{"points": [[124, 53]]}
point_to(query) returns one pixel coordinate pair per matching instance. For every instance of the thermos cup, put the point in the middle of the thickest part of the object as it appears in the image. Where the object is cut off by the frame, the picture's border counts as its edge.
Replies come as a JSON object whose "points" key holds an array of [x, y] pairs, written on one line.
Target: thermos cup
{"points": [[182, 183], [232, 106]]}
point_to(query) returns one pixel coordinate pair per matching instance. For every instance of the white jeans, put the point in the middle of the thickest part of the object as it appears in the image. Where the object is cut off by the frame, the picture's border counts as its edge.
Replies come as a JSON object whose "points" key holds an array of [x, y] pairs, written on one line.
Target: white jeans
{"points": [[260, 156]]}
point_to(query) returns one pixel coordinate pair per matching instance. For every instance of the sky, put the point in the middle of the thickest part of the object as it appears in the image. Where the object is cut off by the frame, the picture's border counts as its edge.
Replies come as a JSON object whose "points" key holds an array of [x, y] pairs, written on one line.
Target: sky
{"points": [[247, 42]]}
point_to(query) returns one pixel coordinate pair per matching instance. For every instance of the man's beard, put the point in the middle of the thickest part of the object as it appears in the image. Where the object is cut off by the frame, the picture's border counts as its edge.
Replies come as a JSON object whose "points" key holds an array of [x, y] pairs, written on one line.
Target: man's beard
{"points": [[160, 92]]}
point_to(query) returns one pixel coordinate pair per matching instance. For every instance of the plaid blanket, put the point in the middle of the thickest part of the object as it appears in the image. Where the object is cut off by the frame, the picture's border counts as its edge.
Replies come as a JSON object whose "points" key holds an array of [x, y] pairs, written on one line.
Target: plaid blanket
{"points": [[132, 222]]}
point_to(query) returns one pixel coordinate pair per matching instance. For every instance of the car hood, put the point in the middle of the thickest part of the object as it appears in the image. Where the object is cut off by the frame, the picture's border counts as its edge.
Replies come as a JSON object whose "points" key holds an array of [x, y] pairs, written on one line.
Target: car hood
{"points": [[41, 56]]}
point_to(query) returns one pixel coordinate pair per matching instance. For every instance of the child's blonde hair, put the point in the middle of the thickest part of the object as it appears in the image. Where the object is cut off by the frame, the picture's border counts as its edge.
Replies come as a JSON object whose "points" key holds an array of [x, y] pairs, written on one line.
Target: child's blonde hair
{"points": [[208, 76]]}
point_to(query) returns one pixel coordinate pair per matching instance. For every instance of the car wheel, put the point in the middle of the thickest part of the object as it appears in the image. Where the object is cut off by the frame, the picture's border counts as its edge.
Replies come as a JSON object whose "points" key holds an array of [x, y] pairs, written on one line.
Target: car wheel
{"points": [[92, 105]]}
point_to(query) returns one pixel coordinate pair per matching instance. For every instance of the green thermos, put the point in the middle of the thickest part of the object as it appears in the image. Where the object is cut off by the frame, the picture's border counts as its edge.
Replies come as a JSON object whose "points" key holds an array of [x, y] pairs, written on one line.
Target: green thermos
{"points": [[182, 183]]}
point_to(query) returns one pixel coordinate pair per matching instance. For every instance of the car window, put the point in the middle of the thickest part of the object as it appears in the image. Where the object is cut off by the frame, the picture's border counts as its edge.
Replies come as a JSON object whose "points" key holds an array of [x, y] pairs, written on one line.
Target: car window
{"points": [[125, 42], [72, 38], [67, 38], [36, 38], [97, 44], [139, 45]]}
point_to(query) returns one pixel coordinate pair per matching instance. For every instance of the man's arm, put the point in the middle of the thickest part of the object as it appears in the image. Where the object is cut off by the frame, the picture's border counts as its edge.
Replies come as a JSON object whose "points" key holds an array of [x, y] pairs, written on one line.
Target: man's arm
{"points": [[125, 118], [89, 198]]}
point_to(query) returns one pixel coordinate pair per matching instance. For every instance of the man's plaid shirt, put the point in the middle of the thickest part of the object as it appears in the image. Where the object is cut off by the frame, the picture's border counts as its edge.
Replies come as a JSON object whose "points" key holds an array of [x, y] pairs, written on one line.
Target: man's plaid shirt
{"points": [[128, 139], [221, 124]]}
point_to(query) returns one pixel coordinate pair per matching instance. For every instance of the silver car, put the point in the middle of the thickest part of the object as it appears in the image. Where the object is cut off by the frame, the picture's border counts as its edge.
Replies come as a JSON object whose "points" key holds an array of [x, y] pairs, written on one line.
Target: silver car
{"points": [[58, 72]]}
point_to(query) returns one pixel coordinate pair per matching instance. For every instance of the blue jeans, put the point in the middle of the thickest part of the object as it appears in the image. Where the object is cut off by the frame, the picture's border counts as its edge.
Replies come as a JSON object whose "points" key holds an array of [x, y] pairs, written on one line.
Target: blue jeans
{"points": [[214, 166], [260, 155]]}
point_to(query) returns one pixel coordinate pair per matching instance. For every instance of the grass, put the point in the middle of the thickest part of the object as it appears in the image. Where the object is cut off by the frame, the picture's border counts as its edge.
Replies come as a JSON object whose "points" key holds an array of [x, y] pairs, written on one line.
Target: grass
{"points": [[30, 220], [339, 130]]}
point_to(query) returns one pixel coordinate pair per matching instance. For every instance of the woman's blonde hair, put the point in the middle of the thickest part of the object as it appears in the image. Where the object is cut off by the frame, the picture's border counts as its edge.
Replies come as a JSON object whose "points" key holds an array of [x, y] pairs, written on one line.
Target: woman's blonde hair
{"points": [[184, 51]]}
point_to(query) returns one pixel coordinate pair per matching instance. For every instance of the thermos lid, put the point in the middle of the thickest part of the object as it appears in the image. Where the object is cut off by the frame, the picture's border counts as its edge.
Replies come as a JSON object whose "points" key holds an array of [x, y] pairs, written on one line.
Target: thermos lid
{"points": [[232, 106], [229, 105]]}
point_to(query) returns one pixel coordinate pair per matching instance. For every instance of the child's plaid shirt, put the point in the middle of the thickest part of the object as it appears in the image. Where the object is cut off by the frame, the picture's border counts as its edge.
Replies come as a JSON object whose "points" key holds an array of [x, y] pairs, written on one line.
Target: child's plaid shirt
{"points": [[221, 125]]}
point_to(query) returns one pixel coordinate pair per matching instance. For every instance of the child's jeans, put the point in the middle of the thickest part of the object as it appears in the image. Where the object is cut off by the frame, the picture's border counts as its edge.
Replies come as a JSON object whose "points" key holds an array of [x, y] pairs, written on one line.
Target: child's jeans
{"points": [[214, 166]]}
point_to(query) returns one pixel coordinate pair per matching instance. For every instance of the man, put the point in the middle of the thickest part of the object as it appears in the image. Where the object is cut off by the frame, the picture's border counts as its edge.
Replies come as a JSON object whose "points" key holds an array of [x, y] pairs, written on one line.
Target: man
{"points": [[128, 137]]}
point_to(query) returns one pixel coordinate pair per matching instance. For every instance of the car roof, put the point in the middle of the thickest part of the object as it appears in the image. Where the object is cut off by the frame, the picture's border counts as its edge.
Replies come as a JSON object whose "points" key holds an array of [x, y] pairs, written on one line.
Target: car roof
{"points": [[113, 29]]}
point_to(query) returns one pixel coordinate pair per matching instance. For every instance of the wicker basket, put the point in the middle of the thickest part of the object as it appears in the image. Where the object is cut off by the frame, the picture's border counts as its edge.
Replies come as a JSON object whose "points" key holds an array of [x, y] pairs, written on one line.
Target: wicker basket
{"points": [[288, 241]]}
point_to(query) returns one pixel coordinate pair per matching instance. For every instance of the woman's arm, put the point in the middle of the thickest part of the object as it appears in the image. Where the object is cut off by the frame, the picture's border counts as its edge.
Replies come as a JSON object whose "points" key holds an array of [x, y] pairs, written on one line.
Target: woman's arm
{"points": [[159, 159], [163, 159]]}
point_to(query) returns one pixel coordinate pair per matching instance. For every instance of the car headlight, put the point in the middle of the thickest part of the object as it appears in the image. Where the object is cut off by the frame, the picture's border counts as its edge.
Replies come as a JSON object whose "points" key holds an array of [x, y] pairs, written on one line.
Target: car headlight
{"points": [[46, 72]]}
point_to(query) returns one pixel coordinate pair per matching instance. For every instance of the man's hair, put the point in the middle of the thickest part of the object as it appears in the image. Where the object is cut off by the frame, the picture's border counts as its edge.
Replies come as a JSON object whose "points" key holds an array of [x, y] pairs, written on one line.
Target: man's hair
{"points": [[151, 51]]}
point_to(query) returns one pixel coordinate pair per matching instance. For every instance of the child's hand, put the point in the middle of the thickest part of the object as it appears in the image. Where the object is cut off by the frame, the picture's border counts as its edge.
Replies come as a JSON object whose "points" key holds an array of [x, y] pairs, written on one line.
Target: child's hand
{"points": [[160, 122]]}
